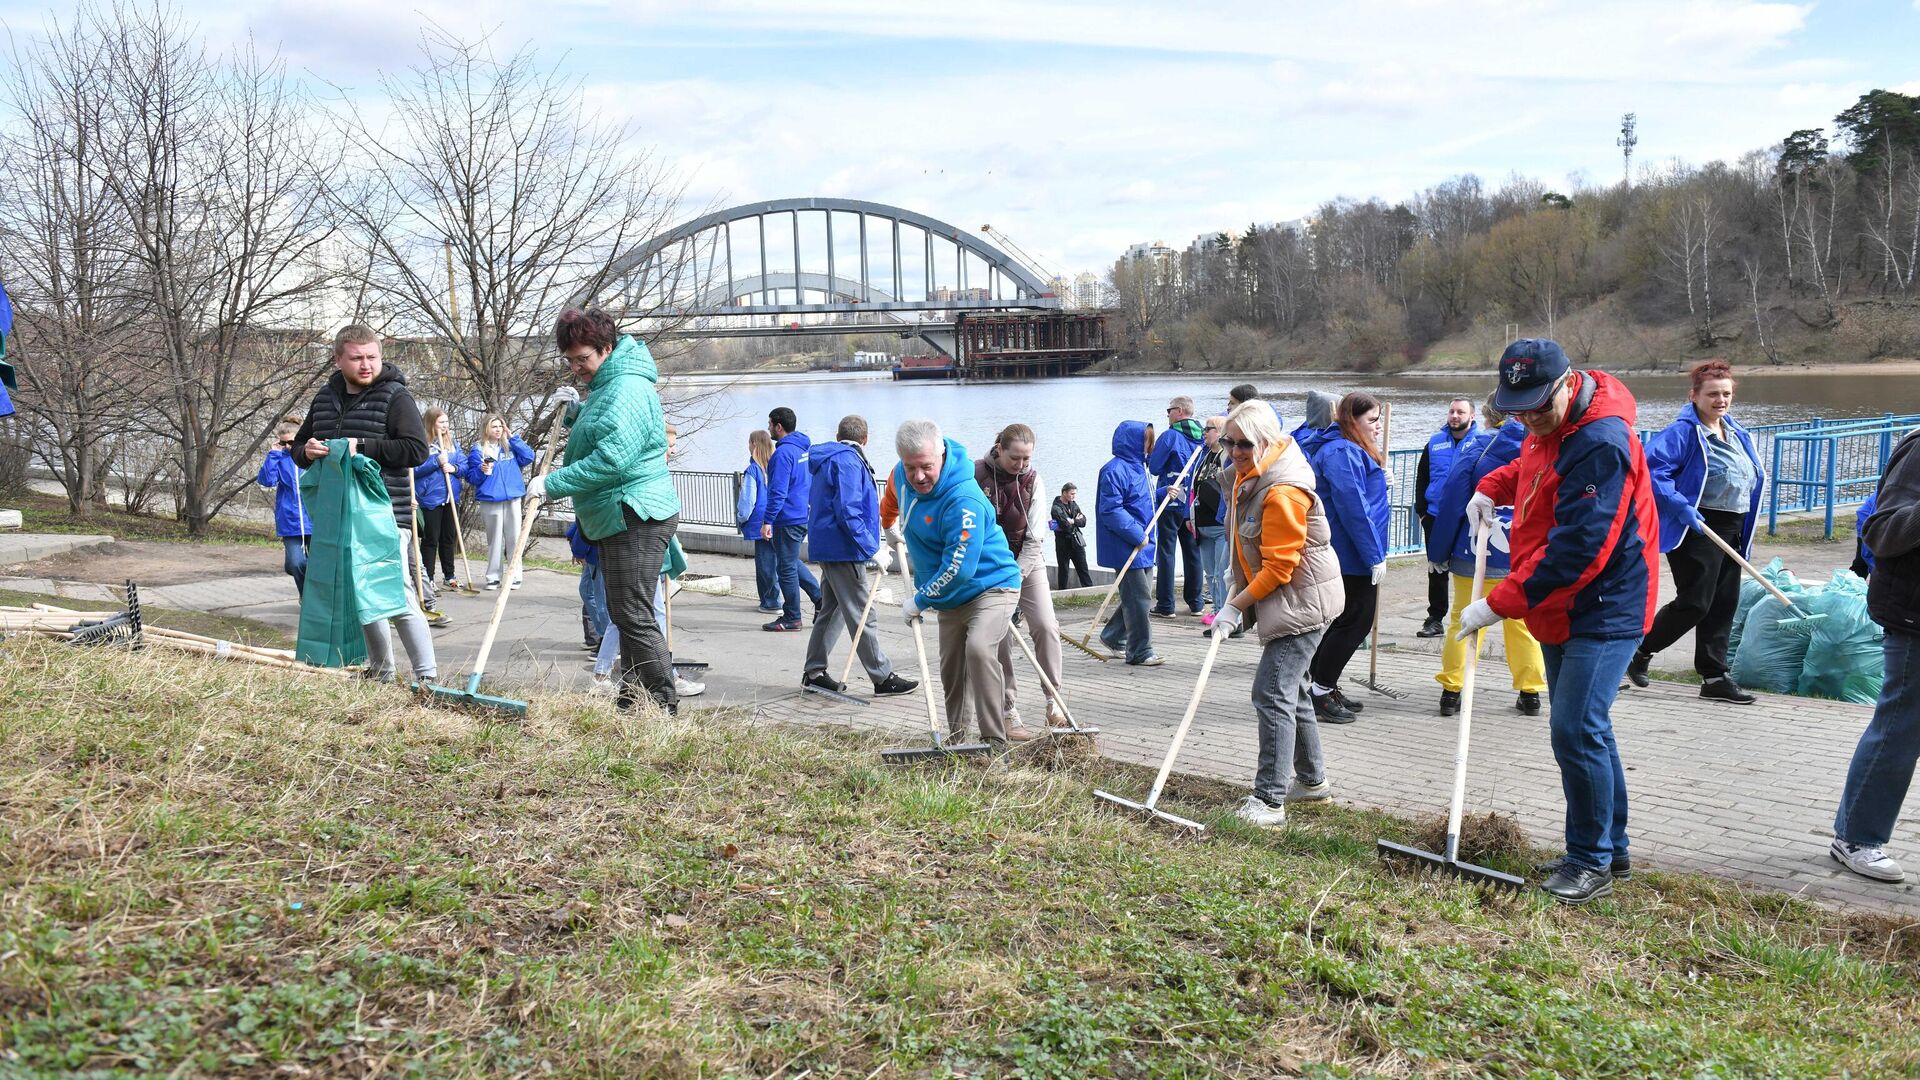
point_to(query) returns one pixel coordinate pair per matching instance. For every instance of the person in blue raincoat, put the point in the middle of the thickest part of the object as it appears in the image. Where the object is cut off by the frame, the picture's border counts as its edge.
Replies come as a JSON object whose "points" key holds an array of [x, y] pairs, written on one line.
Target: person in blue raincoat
{"points": [[281, 476], [1348, 473], [1123, 505], [496, 466], [436, 485], [750, 513], [1706, 476]]}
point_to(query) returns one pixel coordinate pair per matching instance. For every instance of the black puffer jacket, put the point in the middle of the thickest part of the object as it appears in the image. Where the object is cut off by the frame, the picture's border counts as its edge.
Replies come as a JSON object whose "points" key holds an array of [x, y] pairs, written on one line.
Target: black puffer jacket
{"points": [[384, 418], [1893, 535]]}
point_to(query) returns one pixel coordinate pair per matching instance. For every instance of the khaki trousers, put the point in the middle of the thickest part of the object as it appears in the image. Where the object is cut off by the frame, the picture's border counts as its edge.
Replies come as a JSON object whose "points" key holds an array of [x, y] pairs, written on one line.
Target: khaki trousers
{"points": [[1036, 610], [970, 639]]}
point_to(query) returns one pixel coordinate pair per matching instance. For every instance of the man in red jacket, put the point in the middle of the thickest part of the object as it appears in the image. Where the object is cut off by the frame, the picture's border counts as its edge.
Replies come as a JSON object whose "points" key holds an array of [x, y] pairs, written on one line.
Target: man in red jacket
{"points": [[1584, 542]]}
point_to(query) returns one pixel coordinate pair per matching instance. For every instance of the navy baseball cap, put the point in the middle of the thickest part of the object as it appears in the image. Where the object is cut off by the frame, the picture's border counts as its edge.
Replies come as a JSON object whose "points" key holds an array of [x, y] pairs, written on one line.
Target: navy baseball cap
{"points": [[1529, 370]]}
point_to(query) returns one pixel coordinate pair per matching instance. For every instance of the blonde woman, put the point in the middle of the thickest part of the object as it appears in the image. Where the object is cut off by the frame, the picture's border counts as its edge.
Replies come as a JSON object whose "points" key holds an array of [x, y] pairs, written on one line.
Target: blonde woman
{"points": [[494, 469], [750, 512]]}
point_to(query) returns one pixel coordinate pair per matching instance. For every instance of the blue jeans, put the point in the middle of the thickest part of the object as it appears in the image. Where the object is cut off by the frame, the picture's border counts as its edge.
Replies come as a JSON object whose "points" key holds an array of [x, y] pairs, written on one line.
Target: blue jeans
{"points": [[1213, 563], [1130, 628], [1883, 760], [296, 561], [1175, 537], [1583, 676], [593, 601], [794, 574], [766, 574]]}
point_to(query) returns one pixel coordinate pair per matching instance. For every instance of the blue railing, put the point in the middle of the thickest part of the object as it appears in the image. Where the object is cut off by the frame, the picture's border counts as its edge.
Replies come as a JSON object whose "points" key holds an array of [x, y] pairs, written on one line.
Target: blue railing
{"points": [[1827, 465]]}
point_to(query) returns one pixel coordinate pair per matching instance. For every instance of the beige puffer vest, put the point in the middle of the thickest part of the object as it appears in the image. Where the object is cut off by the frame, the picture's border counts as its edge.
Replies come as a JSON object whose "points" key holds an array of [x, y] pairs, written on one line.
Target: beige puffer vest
{"points": [[1315, 596]]}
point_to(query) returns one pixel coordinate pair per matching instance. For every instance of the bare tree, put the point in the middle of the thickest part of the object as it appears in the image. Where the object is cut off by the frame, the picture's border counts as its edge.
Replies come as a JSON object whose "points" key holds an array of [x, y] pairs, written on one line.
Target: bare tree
{"points": [[495, 200], [71, 280]]}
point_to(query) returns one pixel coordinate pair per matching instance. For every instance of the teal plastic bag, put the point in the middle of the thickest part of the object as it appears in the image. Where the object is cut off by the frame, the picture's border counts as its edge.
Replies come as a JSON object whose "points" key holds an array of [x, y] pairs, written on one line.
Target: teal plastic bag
{"points": [[1771, 656], [1750, 594], [1844, 654], [355, 571]]}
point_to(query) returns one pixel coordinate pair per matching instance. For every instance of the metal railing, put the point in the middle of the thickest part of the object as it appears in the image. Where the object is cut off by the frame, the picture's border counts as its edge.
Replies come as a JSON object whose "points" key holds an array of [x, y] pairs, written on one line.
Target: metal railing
{"points": [[707, 498], [1827, 465]]}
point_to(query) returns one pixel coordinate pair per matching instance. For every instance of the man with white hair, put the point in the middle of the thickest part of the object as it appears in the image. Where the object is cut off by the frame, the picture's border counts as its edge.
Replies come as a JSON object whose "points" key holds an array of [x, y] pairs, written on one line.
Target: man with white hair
{"points": [[963, 569]]}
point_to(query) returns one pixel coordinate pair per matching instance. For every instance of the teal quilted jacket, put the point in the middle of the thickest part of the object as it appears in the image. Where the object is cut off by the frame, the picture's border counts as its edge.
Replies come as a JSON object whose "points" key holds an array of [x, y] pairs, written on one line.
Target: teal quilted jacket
{"points": [[617, 453]]}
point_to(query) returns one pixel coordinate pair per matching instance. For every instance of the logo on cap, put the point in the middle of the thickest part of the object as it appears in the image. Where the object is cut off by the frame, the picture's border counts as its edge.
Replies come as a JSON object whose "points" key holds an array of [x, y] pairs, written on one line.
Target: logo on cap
{"points": [[1517, 371]]}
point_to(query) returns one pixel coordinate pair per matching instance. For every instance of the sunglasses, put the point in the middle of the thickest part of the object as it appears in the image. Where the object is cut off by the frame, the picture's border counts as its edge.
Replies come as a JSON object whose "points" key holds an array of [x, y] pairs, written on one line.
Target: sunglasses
{"points": [[1238, 444]]}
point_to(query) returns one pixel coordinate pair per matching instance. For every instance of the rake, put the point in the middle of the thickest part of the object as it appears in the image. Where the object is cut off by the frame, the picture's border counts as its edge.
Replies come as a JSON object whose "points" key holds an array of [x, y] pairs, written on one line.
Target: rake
{"points": [[471, 697], [1798, 618], [1372, 681], [118, 629], [435, 616], [940, 747], [460, 537], [1450, 862], [853, 649], [1083, 641], [1073, 726], [1151, 807]]}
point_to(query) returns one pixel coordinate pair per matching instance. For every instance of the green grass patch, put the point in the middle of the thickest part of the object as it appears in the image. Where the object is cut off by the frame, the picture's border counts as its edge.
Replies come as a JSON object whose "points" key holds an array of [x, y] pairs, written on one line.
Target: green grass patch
{"points": [[41, 513], [213, 869]]}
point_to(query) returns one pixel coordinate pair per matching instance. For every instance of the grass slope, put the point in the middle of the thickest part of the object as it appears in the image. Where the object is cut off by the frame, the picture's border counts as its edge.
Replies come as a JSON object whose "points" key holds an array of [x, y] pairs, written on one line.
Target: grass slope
{"points": [[213, 869], [42, 513]]}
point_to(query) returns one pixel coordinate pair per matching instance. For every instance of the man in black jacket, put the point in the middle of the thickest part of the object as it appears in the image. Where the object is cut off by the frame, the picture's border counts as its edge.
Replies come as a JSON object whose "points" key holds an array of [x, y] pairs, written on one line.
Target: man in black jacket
{"points": [[1883, 760], [366, 402], [1069, 543]]}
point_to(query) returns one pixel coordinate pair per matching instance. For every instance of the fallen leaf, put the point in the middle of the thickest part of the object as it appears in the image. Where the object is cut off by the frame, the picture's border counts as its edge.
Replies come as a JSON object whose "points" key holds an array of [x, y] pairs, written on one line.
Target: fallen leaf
{"points": [[676, 921]]}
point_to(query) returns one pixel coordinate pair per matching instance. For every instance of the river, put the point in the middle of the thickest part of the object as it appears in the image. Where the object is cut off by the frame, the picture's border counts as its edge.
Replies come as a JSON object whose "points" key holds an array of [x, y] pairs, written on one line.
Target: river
{"points": [[1074, 418]]}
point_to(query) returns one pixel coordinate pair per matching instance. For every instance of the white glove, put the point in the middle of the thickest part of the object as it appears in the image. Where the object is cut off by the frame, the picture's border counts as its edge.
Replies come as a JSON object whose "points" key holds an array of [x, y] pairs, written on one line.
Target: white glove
{"points": [[893, 536], [1477, 617], [1228, 620], [1438, 568], [1379, 573], [883, 560], [911, 609], [1480, 512], [537, 488]]}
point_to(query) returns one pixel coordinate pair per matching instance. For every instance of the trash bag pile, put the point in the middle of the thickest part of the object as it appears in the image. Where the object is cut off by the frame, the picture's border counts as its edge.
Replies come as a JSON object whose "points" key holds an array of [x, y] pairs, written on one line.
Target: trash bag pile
{"points": [[1780, 651]]}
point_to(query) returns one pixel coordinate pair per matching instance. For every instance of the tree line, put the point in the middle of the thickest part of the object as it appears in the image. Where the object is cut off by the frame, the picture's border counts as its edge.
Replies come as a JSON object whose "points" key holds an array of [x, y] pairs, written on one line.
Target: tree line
{"points": [[1818, 233], [182, 228]]}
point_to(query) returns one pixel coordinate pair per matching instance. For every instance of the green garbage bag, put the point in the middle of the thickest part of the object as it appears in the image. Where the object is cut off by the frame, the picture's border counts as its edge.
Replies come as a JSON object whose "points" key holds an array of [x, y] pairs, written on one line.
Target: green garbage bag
{"points": [[355, 572], [1844, 654], [1771, 656], [1750, 594]]}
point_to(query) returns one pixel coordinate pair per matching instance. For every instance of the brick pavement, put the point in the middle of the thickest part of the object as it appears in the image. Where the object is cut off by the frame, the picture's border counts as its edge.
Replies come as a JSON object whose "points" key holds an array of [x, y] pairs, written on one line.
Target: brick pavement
{"points": [[1741, 792]]}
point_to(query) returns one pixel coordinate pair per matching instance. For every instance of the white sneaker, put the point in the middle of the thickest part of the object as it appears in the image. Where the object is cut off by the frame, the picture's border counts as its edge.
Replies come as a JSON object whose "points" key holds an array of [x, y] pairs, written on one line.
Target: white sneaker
{"points": [[687, 687], [1868, 862], [1255, 811], [1320, 792], [516, 583], [602, 686], [492, 584]]}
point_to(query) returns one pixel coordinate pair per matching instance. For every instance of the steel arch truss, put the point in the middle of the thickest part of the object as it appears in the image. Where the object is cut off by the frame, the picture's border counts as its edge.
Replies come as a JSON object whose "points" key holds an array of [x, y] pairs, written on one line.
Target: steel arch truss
{"points": [[813, 256]]}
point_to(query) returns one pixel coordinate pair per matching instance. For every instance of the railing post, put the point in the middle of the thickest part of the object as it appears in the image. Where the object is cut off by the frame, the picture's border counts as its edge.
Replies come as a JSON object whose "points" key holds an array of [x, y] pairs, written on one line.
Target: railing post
{"points": [[1773, 494], [1831, 458]]}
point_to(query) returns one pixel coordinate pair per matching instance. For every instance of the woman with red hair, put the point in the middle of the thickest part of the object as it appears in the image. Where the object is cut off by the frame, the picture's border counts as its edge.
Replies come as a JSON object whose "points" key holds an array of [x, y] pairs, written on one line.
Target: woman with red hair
{"points": [[1352, 484], [1706, 476]]}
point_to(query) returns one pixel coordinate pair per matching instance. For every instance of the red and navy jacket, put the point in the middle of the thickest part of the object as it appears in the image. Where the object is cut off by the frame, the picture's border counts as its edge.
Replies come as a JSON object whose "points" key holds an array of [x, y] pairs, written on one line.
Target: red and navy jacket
{"points": [[1586, 532]]}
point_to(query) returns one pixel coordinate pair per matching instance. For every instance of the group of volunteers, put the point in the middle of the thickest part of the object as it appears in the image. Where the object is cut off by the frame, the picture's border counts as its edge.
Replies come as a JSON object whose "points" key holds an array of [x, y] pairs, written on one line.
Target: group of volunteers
{"points": [[1251, 527]]}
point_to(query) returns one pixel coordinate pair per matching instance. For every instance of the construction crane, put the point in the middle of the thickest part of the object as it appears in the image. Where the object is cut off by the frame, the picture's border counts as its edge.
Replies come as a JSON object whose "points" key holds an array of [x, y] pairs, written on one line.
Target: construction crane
{"points": [[1046, 273]]}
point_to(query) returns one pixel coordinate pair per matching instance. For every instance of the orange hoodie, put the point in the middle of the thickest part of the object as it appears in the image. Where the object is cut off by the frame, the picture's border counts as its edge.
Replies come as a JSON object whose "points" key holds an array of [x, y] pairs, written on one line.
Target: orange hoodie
{"points": [[1283, 531]]}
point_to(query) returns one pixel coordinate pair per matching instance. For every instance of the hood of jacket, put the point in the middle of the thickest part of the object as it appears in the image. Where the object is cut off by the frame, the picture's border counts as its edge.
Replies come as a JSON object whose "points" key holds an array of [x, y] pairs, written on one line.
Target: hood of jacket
{"points": [[796, 439], [629, 357], [1320, 408], [1191, 428], [1600, 395], [819, 457], [1130, 441], [956, 470]]}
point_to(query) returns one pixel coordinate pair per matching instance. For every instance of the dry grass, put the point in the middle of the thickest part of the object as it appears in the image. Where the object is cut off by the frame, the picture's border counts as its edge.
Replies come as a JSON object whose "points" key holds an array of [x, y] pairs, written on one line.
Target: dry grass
{"points": [[218, 870]]}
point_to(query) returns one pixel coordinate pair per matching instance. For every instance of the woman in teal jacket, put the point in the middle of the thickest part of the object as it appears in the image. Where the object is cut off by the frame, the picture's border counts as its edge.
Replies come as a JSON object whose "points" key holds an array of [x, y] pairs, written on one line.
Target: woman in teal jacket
{"points": [[623, 498]]}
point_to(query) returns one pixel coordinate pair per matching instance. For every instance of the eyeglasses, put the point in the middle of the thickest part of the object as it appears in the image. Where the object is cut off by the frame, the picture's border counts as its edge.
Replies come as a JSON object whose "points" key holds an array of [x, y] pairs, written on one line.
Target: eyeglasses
{"points": [[1238, 444]]}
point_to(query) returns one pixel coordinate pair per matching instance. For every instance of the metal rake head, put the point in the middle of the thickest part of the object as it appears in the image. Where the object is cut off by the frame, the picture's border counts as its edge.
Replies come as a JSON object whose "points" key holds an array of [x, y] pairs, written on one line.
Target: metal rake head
{"points": [[121, 629]]}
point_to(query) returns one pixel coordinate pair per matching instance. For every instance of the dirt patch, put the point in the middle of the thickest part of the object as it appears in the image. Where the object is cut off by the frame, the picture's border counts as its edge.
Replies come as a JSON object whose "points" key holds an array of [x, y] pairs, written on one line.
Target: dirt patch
{"points": [[152, 563]]}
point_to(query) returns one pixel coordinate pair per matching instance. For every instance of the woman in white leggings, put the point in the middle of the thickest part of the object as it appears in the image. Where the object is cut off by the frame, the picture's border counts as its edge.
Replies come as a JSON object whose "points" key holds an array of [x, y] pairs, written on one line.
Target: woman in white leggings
{"points": [[495, 467]]}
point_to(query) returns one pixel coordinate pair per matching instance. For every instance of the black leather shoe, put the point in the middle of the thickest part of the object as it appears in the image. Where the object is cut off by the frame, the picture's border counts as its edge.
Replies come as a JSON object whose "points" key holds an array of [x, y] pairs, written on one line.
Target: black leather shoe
{"points": [[1621, 868], [894, 684], [1431, 628], [1449, 702], [820, 680], [1354, 707], [1528, 702], [1573, 884], [1725, 689], [1637, 670], [1328, 709]]}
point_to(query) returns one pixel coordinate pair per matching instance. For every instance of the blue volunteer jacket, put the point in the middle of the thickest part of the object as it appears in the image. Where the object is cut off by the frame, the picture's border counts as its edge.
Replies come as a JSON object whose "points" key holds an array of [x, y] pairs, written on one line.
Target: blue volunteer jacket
{"points": [[843, 506], [956, 544], [1677, 463], [787, 481], [1860, 528], [1442, 449], [1451, 541], [281, 476], [1354, 488], [750, 510], [1171, 452], [1123, 503], [434, 487], [583, 549], [506, 483]]}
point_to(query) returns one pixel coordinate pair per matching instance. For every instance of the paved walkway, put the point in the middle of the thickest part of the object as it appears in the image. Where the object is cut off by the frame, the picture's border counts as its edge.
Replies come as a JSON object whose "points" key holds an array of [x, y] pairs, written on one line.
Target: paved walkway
{"points": [[1745, 793]]}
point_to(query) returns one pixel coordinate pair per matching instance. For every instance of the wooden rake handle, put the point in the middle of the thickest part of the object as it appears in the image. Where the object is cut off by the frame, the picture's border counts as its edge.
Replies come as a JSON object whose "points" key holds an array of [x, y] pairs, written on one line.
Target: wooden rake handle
{"points": [[1147, 538], [527, 508]]}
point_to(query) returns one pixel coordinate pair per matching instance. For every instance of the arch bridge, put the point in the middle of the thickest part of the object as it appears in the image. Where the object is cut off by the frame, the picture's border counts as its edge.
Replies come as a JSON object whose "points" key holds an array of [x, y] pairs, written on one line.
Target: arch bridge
{"points": [[835, 266]]}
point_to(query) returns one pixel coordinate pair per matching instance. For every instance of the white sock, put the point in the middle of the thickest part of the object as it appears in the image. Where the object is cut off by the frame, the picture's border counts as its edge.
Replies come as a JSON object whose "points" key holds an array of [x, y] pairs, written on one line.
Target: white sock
{"points": [[1321, 691]]}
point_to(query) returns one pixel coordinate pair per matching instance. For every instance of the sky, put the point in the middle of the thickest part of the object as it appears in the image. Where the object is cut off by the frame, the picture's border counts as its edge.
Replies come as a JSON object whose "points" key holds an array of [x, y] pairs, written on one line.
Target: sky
{"points": [[1079, 128]]}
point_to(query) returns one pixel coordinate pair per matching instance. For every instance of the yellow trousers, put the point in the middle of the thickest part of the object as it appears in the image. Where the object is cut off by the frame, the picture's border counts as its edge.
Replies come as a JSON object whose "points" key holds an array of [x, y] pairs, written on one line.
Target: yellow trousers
{"points": [[1523, 652]]}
